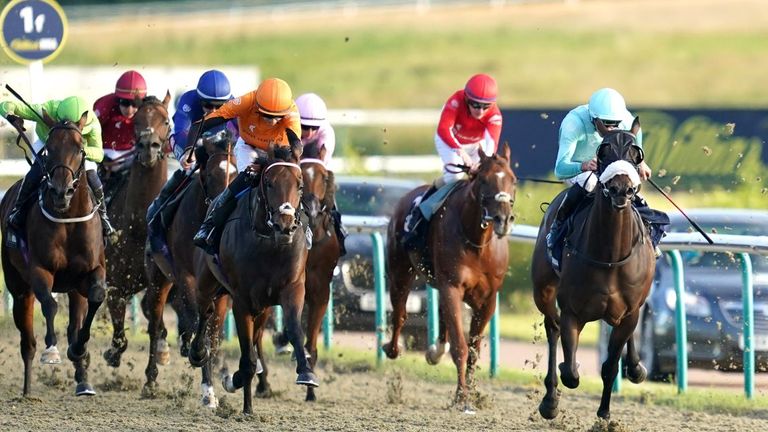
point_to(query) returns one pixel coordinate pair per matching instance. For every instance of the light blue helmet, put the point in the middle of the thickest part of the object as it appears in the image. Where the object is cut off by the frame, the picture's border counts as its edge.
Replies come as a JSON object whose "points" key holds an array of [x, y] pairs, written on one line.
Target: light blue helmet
{"points": [[213, 85], [607, 104]]}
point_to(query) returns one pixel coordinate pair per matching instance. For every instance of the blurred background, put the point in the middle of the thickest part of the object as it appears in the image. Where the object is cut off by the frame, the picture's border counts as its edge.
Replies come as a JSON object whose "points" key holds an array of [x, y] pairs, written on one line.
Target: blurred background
{"points": [[692, 69]]}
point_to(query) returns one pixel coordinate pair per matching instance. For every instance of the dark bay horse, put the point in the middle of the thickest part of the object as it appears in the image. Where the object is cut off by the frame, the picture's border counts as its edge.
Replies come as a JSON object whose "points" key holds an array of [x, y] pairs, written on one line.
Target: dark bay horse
{"points": [[606, 273], [128, 210], [64, 253], [469, 260], [262, 259], [184, 270], [318, 200]]}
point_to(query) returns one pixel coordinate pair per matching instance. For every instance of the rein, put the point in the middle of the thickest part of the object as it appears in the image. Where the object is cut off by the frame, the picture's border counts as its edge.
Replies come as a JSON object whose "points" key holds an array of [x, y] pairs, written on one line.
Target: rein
{"points": [[284, 208]]}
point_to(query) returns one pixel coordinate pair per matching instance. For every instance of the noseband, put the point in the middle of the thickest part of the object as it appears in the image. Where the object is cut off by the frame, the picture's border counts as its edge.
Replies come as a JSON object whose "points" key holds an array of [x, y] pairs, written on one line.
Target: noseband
{"points": [[308, 161], [285, 208], [75, 174], [149, 135]]}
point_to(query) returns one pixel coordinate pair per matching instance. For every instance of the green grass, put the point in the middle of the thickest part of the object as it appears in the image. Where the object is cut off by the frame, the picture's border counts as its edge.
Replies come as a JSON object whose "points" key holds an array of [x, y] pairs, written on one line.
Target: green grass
{"points": [[529, 327]]}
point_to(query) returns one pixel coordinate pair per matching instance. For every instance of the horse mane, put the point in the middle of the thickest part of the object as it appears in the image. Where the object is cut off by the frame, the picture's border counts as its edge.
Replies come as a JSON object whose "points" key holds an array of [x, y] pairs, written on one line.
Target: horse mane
{"points": [[151, 100], [311, 152], [282, 154]]}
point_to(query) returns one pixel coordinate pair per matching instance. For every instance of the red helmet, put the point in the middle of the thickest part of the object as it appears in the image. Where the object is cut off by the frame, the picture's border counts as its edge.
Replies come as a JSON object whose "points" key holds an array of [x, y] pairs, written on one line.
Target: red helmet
{"points": [[481, 88], [130, 84]]}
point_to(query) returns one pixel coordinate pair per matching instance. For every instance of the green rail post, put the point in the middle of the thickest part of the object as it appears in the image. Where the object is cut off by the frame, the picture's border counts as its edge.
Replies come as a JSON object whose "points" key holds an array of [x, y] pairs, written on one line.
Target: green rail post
{"points": [[378, 283], [8, 300], [328, 321], [229, 326], [747, 294], [617, 380], [681, 328], [135, 314], [495, 340], [278, 317], [432, 315]]}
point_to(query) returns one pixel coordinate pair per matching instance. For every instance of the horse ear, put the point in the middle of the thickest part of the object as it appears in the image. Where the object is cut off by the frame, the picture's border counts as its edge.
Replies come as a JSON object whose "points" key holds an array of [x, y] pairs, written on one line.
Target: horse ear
{"points": [[635, 126], [482, 154], [138, 100], [330, 190], [601, 129], [297, 148], [506, 151], [83, 120], [49, 121], [167, 99], [322, 153]]}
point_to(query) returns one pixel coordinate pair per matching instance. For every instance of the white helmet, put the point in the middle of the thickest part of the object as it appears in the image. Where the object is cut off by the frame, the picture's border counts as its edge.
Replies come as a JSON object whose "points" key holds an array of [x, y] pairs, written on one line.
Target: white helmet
{"points": [[607, 104], [312, 109]]}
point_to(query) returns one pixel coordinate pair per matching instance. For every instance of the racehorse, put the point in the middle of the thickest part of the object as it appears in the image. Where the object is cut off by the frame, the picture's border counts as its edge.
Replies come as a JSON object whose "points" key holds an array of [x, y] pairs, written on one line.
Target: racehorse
{"points": [[128, 209], [318, 200], [64, 253], [465, 260], [183, 270], [606, 272], [262, 260]]}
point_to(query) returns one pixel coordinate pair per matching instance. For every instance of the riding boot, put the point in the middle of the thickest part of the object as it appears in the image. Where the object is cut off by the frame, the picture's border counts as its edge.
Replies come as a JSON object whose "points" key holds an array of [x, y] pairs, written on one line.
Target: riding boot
{"points": [[165, 193], [219, 210], [29, 187], [556, 232], [98, 193], [341, 232], [412, 231], [654, 229]]}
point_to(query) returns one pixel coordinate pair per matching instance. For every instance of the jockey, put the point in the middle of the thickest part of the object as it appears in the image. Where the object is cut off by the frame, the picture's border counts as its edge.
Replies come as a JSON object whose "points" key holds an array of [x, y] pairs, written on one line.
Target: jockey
{"points": [[263, 117], [576, 156], [115, 112], [71, 109], [470, 120], [317, 131], [212, 92]]}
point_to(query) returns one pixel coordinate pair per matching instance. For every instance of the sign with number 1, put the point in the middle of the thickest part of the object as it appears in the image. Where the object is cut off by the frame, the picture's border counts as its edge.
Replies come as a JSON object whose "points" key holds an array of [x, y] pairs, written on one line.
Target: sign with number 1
{"points": [[33, 30]]}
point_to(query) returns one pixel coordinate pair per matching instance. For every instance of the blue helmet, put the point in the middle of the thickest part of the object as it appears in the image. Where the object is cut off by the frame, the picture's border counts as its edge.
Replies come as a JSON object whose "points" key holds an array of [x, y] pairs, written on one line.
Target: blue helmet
{"points": [[607, 104], [214, 85]]}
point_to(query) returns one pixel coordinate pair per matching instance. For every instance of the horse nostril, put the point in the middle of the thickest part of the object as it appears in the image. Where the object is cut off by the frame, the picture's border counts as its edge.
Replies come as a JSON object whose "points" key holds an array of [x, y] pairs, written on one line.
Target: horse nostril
{"points": [[69, 192]]}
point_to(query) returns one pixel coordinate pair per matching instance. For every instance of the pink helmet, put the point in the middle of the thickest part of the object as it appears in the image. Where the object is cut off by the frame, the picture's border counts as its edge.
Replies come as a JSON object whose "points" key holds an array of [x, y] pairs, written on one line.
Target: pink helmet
{"points": [[312, 109], [130, 84], [481, 88]]}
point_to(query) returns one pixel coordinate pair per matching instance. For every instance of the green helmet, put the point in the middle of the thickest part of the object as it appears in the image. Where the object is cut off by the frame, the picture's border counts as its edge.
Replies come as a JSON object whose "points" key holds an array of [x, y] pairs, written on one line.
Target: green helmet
{"points": [[71, 109]]}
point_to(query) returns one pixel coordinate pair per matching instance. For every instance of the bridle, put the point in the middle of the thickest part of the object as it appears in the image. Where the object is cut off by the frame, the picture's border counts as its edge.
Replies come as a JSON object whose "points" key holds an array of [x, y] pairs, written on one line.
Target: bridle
{"points": [[75, 173], [203, 179], [285, 208], [149, 134], [315, 161]]}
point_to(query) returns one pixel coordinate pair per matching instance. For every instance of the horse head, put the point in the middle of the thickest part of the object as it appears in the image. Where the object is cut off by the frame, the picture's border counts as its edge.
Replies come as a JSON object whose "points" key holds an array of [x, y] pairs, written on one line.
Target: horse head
{"points": [[617, 160], [494, 184], [319, 184], [65, 160], [220, 169], [281, 188], [152, 129]]}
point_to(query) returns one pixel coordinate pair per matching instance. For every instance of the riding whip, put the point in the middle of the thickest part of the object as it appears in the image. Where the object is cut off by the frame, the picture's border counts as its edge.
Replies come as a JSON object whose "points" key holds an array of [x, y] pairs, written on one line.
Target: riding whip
{"points": [[694, 224], [538, 180], [18, 96]]}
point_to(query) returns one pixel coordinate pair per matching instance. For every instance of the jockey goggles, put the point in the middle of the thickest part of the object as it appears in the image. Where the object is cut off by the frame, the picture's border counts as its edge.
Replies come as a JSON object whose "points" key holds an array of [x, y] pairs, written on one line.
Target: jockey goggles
{"points": [[478, 105], [128, 103]]}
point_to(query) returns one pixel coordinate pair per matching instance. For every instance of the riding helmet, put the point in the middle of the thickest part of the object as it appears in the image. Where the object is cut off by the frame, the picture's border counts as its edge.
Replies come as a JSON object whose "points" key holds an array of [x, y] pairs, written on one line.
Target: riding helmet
{"points": [[214, 85], [312, 109], [607, 104], [71, 109], [481, 88], [274, 97], [130, 84]]}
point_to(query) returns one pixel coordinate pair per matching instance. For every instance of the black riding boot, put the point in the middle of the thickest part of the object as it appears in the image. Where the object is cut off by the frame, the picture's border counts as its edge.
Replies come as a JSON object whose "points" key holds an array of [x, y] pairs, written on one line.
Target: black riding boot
{"points": [[220, 209], [29, 187], [556, 232], [165, 193], [413, 222], [341, 232], [98, 192]]}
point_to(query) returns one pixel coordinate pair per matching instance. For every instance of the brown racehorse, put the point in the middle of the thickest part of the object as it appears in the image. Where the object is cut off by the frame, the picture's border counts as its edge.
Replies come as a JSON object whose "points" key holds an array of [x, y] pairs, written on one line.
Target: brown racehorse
{"points": [[128, 210], [469, 260], [318, 200], [263, 255], [606, 273], [183, 271], [64, 253]]}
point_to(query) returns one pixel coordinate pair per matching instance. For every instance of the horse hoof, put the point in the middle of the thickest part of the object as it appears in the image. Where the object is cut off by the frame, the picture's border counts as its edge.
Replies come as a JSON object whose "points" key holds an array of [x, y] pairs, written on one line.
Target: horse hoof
{"points": [[434, 355], [259, 367], [569, 379], [310, 397], [50, 355], [163, 353], [74, 357], [112, 357], [209, 397], [548, 409], [198, 359], [84, 389], [149, 391], [604, 414], [308, 379], [281, 347], [638, 374], [469, 410], [227, 383], [391, 351]]}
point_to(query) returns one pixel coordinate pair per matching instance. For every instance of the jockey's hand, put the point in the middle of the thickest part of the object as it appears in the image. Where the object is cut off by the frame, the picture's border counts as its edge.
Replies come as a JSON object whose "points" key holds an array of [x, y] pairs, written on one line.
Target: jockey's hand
{"points": [[186, 161], [465, 158], [590, 165], [15, 121], [644, 170], [253, 168]]}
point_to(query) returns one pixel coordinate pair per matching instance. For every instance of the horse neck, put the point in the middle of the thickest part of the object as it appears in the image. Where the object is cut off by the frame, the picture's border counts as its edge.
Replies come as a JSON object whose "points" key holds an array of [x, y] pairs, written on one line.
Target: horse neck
{"points": [[610, 234], [471, 215], [145, 182]]}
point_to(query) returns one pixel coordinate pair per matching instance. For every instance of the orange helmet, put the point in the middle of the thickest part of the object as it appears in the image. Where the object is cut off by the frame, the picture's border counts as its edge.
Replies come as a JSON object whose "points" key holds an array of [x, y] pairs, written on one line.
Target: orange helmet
{"points": [[131, 84], [273, 97]]}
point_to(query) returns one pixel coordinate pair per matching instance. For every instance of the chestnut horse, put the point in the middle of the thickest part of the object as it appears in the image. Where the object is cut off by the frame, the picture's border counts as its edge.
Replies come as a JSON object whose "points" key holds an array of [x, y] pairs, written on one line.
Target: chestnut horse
{"points": [[183, 270], [318, 200], [606, 272], [468, 261], [64, 253], [262, 260], [128, 210]]}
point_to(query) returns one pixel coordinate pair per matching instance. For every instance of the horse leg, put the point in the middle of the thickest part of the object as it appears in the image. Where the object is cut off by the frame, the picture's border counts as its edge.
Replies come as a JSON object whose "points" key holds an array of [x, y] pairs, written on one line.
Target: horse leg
{"points": [[435, 352], [317, 304], [23, 314], [619, 337], [244, 375], [163, 354], [41, 282], [450, 303], [214, 327], [480, 318], [78, 350], [569, 369], [116, 304], [156, 296], [186, 310], [292, 301], [636, 372], [548, 406], [400, 278], [263, 389]]}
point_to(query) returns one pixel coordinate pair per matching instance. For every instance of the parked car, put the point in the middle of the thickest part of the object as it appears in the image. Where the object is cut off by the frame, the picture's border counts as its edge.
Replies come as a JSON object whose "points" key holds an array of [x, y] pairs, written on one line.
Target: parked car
{"points": [[367, 203], [713, 301]]}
